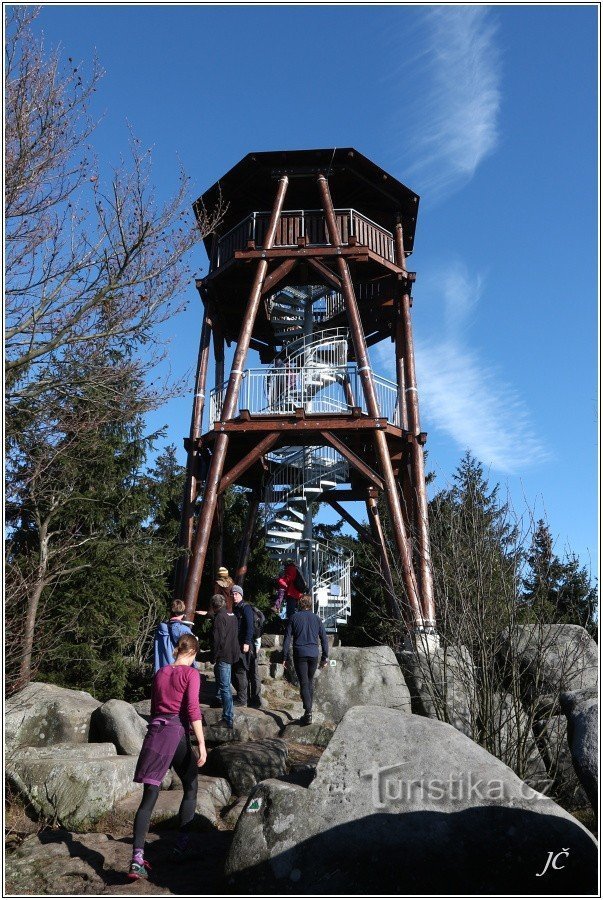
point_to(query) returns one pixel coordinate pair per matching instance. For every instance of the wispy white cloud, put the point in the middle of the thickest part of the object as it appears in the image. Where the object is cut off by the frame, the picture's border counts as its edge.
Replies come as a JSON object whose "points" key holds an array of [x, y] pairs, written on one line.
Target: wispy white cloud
{"points": [[461, 396], [452, 125]]}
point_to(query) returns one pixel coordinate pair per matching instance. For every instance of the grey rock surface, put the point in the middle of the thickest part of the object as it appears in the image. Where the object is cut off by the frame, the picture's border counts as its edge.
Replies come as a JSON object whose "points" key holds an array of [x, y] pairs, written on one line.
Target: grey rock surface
{"points": [[403, 804], [249, 725], [360, 676], [514, 742], [166, 809], [582, 712], [318, 734], [245, 764], [441, 682], [550, 660], [74, 791], [551, 737], [44, 714], [118, 722]]}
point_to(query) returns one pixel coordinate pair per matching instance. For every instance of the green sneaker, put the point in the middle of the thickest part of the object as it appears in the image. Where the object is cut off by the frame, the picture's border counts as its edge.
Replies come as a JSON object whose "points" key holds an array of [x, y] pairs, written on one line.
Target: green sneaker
{"points": [[138, 870]]}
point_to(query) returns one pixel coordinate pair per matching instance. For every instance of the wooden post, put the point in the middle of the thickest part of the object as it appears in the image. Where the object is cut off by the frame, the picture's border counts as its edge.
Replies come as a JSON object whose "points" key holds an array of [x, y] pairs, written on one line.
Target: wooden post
{"points": [[368, 385], [416, 449], [190, 484], [254, 505], [379, 537], [228, 409]]}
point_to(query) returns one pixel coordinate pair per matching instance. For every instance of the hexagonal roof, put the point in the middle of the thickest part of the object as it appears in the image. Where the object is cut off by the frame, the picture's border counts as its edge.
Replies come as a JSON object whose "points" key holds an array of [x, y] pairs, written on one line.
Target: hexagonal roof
{"points": [[354, 180]]}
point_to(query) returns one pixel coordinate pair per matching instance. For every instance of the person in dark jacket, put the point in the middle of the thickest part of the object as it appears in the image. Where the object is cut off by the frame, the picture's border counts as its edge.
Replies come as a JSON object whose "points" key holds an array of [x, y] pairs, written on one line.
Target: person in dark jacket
{"points": [[225, 653], [245, 671], [305, 629]]}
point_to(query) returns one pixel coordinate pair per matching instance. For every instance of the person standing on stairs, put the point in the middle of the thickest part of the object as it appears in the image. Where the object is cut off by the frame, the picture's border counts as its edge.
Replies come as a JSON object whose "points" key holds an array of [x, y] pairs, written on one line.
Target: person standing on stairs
{"points": [[305, 629], [245, 676], [174, 710], [225, 653], [296, 586]]}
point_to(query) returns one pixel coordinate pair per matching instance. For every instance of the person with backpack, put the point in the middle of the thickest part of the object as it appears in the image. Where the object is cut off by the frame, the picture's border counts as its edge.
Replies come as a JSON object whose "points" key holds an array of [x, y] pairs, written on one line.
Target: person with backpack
{"points": [[167, 636], [295, 586], [304, 630], [245, 676], [174, 711]]}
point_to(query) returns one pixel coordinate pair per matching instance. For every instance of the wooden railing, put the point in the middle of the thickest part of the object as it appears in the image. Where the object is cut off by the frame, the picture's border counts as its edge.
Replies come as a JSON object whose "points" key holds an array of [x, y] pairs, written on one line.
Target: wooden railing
{"points": [[310, 224]]}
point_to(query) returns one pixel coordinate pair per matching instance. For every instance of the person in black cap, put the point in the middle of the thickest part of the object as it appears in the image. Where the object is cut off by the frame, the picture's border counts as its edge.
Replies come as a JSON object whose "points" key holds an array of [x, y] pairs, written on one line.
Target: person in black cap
{"points": [[245, 671]]}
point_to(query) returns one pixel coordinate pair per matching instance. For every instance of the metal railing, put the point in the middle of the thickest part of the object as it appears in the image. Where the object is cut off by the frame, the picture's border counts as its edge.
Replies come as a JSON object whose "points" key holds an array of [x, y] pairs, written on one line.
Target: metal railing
{"points": [[302, 474], [304, 223], [316, 389]]}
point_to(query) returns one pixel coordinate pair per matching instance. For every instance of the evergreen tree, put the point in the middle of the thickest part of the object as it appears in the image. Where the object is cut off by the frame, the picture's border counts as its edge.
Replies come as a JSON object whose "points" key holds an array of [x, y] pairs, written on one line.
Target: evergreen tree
{"points": [[556, 590]]}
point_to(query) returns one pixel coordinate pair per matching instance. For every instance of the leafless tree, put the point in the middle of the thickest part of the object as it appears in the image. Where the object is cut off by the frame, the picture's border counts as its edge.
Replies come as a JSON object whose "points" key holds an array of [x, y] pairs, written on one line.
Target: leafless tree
{"points": [[93, 266], [86, 261]]}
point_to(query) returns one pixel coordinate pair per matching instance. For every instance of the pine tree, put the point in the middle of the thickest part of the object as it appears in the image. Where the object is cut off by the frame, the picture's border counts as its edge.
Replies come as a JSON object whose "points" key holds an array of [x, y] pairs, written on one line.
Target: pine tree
{"points": [[556, 590]]}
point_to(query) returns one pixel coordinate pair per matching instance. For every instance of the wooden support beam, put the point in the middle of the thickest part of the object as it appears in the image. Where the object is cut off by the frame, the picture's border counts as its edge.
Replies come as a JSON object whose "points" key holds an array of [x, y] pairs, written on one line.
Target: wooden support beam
{"points": [[359, 254], [316, 422], [248, 460], [216, 467], [330, 277], [277, 275], [254, 505], [349, 518], [353, 460], [368, 385], [191, 482]]}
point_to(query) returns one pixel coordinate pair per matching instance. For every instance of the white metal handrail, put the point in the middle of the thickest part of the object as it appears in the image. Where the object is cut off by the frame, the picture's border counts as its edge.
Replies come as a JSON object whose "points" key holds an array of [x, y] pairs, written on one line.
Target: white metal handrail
{"points": [[314, 388]]}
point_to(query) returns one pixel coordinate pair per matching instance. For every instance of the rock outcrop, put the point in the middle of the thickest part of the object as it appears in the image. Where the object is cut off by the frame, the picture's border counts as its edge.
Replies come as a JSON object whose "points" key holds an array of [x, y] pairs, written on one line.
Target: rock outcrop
{"points": [[441, 683], [551, 737], [73, 785], [359, 676], [244, 765], [582, 712], [43, 714], [118, 722], [411, 805], [549, 660]]}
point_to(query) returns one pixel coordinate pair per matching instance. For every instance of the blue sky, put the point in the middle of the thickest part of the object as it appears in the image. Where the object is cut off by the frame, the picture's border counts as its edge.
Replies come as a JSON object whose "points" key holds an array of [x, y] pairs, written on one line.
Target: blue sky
{"points": [[489, 113]]}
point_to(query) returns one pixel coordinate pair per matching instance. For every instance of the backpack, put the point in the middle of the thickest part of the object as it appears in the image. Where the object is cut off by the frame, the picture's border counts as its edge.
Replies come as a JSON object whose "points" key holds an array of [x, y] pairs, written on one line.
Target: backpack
{"points": [[258, 622], [299, 584]]}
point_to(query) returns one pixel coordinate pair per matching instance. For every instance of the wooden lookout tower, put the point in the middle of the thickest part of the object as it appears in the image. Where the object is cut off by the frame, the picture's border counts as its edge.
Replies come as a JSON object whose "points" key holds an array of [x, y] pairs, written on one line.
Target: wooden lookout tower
{"points": [[309, 270]]}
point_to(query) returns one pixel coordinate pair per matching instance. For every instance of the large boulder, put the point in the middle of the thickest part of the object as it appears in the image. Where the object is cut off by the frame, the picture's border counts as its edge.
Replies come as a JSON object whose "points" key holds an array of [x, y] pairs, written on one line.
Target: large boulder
{"points": [[73, 786], [402, 804], [582, 712], [565, 787], [249, 725], [244, 765], [359, 676], [441, 683], [44, 714], [549, 660], [118, 722], [512, 740]]}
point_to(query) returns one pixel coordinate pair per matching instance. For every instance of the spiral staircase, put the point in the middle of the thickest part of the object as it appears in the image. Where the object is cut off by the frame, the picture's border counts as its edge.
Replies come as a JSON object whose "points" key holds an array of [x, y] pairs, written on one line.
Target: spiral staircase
{"points": [[310, 371]]}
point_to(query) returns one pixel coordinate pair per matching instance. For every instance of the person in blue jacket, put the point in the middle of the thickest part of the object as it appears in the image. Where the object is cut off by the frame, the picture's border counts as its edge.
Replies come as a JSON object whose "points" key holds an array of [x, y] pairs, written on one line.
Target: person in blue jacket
{"points": [[305, 629], [167, 636]]}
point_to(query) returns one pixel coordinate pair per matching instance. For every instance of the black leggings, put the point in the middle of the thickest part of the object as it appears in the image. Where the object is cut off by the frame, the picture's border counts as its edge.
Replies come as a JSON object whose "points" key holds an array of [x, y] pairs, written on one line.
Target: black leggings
{"points": [[305, 667], [185, 765]]}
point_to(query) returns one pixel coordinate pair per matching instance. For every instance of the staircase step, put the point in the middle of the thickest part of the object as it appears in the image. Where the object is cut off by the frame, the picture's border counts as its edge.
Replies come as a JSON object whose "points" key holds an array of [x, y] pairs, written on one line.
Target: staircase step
{"points": [[278, 534], [279, 545], [296, 526]]}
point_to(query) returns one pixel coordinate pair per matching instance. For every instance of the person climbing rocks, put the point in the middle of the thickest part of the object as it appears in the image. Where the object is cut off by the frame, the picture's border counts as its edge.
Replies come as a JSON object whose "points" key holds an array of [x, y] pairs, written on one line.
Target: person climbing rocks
{"points": [[167, 635], [174, 710], [304, 630], [225, 653], [245, 676]]}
